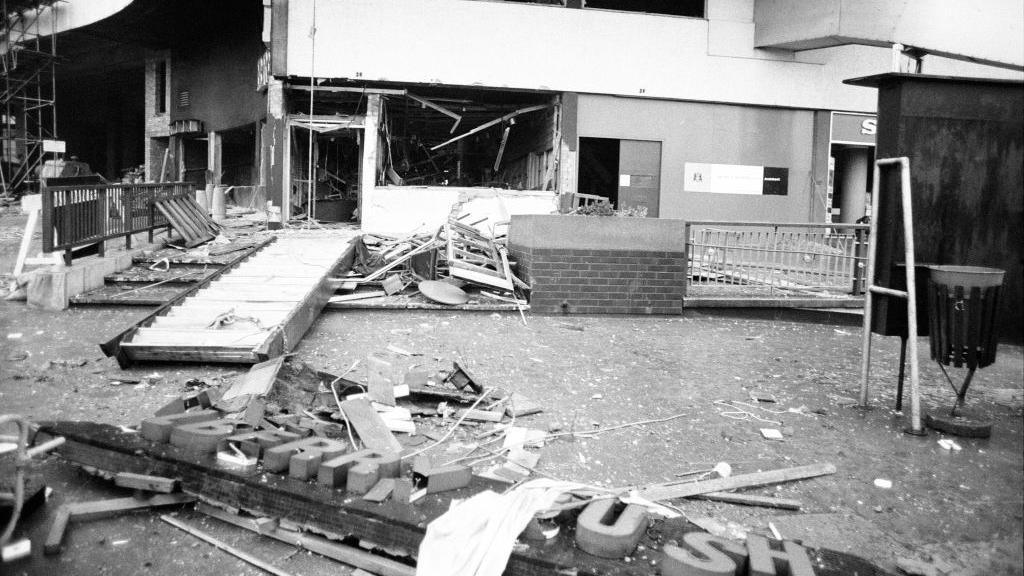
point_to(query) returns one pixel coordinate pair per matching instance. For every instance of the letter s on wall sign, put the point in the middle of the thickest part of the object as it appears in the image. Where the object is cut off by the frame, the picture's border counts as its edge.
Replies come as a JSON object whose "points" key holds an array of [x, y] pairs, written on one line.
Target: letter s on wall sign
{"points": [[869, 127]]}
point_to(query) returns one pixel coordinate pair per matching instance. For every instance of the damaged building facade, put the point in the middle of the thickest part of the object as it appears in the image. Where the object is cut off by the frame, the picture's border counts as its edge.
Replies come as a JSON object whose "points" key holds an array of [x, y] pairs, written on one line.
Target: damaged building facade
{"points": [[390, 111]]}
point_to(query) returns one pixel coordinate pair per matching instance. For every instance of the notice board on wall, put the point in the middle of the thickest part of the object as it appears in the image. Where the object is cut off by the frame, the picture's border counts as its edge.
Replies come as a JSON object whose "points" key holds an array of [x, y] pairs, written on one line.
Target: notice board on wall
{"points": [[735, 179]]}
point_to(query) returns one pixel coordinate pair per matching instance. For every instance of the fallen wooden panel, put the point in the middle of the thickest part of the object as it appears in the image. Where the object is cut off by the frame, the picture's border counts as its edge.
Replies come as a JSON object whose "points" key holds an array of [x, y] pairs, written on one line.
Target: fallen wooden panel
{"points": [[190, 221], [394, 526], [370, 426], [261, 309], [256, 382]]}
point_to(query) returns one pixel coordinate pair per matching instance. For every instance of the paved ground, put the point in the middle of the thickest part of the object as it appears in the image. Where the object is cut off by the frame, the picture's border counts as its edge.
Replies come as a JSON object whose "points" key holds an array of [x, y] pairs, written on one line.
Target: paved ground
{"points": [[959, 509]]}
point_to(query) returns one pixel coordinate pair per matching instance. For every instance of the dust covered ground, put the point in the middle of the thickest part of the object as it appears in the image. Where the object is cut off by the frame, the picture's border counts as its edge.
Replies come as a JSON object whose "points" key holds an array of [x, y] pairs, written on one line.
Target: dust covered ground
{"points": [[960, 510]]}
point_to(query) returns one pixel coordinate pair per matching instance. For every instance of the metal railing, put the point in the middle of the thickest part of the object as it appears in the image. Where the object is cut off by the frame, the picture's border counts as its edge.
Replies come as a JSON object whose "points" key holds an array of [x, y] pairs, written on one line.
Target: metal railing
{"points": [[76, 216], [776, 259]]}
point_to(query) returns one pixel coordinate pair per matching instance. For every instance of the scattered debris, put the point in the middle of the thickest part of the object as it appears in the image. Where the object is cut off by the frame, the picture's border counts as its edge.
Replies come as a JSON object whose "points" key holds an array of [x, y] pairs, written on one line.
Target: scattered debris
{"points": [[225, 547]]}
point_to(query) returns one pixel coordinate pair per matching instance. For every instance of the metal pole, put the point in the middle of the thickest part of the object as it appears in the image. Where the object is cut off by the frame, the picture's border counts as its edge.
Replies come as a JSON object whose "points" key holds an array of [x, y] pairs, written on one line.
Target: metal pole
{"points": [[311, 199], [865, 363], [908, 250]]}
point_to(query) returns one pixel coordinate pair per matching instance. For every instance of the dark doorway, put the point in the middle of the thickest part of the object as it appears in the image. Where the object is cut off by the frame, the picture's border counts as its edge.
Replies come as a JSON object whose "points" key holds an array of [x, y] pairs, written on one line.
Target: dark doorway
{"points": [[598, 168], [238, 156]]}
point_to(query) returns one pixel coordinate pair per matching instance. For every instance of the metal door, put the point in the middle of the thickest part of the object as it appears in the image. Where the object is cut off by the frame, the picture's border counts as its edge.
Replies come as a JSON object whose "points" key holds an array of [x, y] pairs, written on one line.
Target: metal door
{"points": [[640, 175]]}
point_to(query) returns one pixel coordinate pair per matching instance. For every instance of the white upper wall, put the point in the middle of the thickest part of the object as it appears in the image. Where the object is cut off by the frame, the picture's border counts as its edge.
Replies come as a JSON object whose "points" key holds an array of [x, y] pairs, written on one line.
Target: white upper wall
{"points": [[990, 31], [529, 46]]}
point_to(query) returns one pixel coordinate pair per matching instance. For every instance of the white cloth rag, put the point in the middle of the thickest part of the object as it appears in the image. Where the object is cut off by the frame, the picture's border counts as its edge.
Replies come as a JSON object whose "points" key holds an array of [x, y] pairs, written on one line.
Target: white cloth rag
{"points": [[475, 537]]}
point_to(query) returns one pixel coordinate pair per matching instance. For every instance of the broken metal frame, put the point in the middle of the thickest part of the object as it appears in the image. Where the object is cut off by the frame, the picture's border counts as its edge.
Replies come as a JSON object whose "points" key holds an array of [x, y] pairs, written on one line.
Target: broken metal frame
{"points": [[23, 455], [910, 294], [31, 97]]}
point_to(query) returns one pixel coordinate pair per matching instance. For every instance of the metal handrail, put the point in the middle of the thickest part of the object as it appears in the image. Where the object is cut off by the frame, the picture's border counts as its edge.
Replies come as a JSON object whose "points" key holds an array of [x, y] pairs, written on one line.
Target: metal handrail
{"points": [[82, 215]]}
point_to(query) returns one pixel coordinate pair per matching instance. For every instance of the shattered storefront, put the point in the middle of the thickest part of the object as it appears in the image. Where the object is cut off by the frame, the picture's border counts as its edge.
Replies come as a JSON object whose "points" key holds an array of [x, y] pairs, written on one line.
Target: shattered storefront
{"points": [[398, 159]]}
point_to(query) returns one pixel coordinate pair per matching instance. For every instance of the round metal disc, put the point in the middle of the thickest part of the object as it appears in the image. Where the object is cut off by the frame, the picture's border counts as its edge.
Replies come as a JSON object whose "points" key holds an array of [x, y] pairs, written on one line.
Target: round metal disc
{"points": [[443, 292]]}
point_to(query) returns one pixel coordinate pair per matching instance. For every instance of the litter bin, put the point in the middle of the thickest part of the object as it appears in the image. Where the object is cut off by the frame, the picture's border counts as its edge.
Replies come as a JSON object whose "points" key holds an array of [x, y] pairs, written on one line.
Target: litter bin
{"points": [[963, 304]]}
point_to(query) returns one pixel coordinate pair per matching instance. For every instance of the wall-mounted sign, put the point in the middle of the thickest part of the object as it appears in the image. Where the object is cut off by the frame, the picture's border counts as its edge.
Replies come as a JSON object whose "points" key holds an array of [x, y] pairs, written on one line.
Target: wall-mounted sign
{"points": [[57, 146], [735, 179], [850, 128]]}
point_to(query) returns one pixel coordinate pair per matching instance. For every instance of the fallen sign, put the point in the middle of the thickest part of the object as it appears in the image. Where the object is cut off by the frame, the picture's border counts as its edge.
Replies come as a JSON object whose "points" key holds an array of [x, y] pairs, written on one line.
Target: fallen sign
{"points": [[395, 526]]}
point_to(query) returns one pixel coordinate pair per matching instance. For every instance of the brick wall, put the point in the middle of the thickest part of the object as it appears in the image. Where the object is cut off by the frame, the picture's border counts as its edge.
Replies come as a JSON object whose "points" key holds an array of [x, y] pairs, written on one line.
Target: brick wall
{"points": [[158, 125], [579, 281]]}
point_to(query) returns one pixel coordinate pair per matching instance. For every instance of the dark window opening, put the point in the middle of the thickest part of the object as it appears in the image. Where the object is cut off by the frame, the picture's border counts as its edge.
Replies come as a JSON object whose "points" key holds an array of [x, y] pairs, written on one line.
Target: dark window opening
{"points": [[160, 87], [690, 8], [440, 137], [599, 167]]}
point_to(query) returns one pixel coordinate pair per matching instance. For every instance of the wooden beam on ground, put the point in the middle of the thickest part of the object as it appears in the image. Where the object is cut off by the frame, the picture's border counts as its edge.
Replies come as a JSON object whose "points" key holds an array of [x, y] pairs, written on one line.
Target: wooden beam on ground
{"points": [[101, 508], [245, 556], [734, 482], [752, 500], [347, 554], [146, 482]]}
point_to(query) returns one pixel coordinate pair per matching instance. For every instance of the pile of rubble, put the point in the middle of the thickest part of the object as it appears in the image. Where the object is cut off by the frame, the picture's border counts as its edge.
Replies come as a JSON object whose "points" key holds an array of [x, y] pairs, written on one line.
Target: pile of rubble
{"points": [[447, 266]]}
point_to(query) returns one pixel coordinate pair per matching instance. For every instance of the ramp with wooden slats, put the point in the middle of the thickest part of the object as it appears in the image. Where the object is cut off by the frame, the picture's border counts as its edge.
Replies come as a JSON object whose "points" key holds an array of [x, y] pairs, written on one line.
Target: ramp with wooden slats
{"points": [[257, 310]]}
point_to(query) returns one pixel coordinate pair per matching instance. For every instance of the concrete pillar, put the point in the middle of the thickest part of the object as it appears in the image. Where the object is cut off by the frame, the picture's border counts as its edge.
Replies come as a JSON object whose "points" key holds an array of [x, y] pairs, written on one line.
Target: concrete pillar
{"points": [[368, 170], [275, 150], [213, 157], [854, 183]]}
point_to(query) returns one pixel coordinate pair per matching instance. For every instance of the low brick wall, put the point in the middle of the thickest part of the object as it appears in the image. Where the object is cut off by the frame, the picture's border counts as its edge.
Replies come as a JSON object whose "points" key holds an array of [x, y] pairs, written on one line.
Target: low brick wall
{"points": [[577, 265]]}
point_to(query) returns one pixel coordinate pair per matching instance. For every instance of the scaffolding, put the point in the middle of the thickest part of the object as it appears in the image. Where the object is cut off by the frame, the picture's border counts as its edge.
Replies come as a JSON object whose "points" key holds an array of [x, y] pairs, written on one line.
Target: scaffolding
{"points": [[28, 54]]}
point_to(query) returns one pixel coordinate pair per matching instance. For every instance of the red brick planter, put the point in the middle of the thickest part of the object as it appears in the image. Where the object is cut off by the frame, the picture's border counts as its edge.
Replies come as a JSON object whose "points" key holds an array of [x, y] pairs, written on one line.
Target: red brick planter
{"points": [[600, 265]]}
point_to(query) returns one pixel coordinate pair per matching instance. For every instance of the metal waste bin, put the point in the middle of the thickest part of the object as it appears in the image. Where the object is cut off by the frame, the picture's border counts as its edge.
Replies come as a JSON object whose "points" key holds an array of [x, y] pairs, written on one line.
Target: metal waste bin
{"points": [[963, 304]]}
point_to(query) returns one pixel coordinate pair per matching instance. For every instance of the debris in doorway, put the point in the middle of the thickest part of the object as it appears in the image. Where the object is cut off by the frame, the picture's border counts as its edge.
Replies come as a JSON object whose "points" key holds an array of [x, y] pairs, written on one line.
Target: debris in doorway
{"points": [[444, 265]]}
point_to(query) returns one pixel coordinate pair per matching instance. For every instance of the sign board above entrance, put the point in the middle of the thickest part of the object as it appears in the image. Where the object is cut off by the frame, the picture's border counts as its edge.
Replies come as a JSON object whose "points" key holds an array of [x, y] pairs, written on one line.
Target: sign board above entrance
{"points": [[849, 128], [735, 179]]}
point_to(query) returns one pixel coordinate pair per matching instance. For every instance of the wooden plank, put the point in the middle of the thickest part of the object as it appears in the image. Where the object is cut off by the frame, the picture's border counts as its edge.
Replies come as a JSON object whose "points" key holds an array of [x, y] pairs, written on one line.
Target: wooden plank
{"points": [[196, 218], [146, 482], [736, 482], [180, 354], [103, 508], [370, 426], [194, 337], [59, 525], [478, 277], [202, 322], [225, 547], [193, 306], [356, 296], [752, 500], [352, 556], [175, 222], [267, 280], [257, 381], [183, 223]]}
